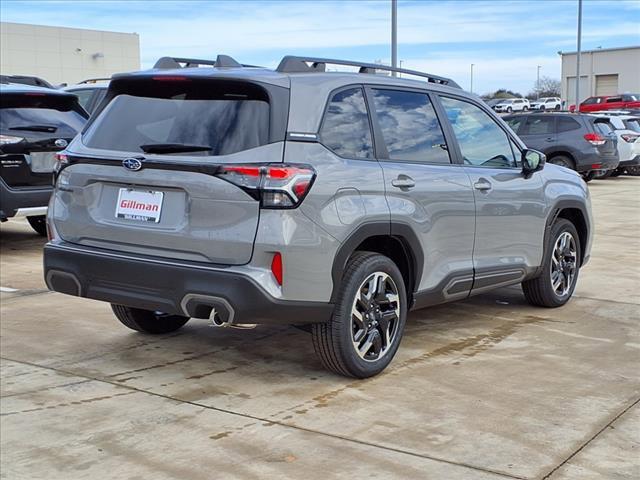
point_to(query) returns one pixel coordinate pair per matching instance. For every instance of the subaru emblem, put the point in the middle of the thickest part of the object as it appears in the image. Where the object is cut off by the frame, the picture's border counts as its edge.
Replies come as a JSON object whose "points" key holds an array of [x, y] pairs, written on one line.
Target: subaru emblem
{"points": [[132, 164], [61, 143]]}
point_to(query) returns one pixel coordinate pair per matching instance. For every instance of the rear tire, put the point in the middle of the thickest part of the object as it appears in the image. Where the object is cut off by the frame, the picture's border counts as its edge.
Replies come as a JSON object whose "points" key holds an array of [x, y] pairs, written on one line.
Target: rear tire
{"points": [[587, 177], [563, 161], [364, 333], [555, 285], [39, 224], [147, 321], [557, 109], [525, 109]]}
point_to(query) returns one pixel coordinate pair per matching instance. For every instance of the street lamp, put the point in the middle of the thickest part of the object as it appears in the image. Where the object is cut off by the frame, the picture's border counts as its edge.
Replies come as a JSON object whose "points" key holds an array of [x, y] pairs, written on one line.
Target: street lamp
{"points": [[394, 35], [471, 88], [538, 84]]}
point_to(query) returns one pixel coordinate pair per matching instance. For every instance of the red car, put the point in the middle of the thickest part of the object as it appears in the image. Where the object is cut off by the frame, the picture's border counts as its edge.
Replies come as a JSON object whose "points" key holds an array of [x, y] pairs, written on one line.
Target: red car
{"points": [[616, 102]]}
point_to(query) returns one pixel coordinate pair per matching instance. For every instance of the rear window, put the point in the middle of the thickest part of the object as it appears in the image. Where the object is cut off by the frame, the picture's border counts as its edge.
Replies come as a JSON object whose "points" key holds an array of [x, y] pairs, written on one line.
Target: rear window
{"points": [[633, 124], [59, 115], [228, 117], [603, 127]]}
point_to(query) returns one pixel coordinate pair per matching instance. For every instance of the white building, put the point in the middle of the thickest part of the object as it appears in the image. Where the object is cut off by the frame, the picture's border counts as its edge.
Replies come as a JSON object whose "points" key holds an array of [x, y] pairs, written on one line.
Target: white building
{"points": [[66, 55], [604, 71]]}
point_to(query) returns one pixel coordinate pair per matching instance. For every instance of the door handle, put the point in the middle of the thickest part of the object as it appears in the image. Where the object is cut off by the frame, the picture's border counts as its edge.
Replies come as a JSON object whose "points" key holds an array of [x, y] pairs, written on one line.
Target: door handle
{"points": [[482, 185], [403, 181]]}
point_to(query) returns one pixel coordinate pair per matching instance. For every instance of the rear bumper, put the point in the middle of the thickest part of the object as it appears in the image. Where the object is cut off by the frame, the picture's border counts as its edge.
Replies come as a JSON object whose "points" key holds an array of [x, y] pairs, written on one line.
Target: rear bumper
{"points": [[588, 161], [13, 201], [182, 288], [635, 161]]}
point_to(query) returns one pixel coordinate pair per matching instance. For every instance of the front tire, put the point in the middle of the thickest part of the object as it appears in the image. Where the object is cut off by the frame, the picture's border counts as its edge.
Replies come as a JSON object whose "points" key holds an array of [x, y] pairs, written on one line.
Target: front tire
{"points": [[364, 333], [555, 285], [147, 321], [509, 109], [525, 109], [39, 224]]}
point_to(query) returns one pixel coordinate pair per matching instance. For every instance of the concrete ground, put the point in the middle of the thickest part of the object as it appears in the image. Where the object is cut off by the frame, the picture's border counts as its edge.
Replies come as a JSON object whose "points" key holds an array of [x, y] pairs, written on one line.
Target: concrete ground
{"points": [[487, 388]]}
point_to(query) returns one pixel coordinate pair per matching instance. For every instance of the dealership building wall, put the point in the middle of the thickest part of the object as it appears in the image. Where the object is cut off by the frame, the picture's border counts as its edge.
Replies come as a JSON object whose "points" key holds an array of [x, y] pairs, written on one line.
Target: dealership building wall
{"points": [[66, 55], [604, 71]]}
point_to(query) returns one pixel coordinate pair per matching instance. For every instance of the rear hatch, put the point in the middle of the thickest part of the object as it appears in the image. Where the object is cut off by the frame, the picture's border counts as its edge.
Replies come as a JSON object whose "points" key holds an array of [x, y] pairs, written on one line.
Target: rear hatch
{"points": [[33, 127], [606, 131], [145, 176]]}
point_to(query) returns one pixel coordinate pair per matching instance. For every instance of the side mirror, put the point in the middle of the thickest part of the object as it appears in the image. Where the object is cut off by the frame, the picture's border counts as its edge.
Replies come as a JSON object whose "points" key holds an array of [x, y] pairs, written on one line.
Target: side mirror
{"points": [[532, 161]]}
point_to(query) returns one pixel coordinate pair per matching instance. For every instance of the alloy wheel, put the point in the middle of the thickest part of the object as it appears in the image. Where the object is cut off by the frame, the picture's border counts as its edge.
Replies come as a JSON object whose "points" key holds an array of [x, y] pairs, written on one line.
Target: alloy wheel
{"points": [[375, 316], [564, 264]]}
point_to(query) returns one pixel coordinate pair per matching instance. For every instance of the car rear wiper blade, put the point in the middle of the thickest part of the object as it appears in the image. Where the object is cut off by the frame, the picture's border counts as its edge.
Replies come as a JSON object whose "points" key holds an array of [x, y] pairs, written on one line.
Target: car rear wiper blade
{"points": [[173, 148], [36, 128]]}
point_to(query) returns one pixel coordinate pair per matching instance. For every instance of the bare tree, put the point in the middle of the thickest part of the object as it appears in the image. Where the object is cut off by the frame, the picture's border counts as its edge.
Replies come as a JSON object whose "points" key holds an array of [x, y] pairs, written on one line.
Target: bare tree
{"points": [[547, 87]]}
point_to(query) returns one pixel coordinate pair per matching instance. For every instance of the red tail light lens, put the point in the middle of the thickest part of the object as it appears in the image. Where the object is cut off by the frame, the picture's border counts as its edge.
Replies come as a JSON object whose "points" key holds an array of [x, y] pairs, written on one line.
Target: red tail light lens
{"points": [[275, 185], [629, 138], [276, 267], [594, 139]]}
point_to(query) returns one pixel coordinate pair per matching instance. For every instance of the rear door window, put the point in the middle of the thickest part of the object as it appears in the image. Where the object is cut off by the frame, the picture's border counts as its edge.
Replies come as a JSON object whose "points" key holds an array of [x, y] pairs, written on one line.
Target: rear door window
{"points": [[515, 122], [410, 127], [227, 117], [84, 97], [542, 125], [345, 129], [633, 124]]}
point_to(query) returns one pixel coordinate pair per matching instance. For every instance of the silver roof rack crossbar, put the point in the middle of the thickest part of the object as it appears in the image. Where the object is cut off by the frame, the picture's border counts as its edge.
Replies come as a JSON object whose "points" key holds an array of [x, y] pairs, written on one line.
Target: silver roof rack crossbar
{"points": [[294, 64], [178, 62], [94, 80]]}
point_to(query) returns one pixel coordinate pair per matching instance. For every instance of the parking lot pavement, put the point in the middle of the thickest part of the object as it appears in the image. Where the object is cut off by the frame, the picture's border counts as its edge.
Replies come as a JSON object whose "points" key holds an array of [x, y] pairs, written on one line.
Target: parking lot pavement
{"points": [[488, 388]]}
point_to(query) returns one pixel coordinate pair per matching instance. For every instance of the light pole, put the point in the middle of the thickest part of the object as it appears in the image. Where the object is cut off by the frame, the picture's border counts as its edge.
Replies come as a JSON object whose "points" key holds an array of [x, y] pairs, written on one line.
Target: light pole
{"points": [[394, 35], [471, 87], [538, 84], [578, 56]]}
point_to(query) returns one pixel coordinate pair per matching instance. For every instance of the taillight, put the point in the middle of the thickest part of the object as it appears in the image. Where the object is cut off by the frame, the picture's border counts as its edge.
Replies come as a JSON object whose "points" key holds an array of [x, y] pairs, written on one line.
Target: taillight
{"points": [[62, 161], [629, 138], [274, 185], [594, 139], [276, 267]]}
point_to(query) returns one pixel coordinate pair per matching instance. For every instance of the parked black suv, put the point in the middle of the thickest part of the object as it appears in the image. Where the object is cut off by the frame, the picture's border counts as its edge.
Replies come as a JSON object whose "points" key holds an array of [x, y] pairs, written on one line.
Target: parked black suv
{"points": [[35, 123], [578, 141]]}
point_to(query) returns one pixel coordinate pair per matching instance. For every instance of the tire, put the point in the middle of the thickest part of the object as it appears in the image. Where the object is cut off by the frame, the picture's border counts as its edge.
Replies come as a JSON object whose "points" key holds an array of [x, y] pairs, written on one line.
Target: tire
{"points": [[633, 171], [587, 177], [509, 109], [616, 173], [542, 108], [334, 341], [525, 109], [557, 109], [147, 321], [542, 291], [39, 224], [562, 161]]}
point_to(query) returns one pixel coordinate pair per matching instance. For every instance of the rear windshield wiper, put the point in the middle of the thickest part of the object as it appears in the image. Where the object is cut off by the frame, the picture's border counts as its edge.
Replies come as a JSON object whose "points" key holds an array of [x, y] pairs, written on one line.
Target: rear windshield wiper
{"points": [[173, 148], [35, 128]]}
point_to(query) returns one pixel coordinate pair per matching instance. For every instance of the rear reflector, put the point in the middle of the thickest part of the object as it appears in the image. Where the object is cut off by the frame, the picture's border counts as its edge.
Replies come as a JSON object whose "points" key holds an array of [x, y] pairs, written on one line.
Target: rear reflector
{"points": [[595, 166], [276, 267], [594, 139]]}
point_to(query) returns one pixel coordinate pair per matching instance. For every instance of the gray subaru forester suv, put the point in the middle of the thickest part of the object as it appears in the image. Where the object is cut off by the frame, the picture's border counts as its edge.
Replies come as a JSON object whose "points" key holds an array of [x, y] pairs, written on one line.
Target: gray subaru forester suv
{"points": [[332, 200]]}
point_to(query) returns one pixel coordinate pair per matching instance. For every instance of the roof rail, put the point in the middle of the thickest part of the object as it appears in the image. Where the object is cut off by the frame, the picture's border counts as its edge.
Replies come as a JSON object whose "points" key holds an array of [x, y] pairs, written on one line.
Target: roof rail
{"points": [[295, 64], [94, 80], [178, 62]]}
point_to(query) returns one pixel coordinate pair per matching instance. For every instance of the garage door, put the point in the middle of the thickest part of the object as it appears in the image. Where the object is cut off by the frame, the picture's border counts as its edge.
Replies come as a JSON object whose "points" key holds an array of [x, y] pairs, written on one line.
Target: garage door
{"points": [[606, 84]]}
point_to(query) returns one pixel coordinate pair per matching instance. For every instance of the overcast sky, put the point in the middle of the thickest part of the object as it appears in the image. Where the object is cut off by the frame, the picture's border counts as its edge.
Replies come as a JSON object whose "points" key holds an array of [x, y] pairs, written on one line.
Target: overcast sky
{"points": [[506, 40]]}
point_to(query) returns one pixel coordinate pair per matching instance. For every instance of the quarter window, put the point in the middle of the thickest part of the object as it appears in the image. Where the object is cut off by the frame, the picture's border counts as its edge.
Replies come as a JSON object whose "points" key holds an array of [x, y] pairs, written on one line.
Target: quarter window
{"points": [[346, 129], [410, 127], [482, 142]]}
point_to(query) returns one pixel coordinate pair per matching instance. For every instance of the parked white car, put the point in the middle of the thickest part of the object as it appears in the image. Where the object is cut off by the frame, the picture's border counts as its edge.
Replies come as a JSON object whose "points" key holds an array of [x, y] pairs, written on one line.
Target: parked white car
{"points": [[627, 129], [546, 103], [509, 105]]}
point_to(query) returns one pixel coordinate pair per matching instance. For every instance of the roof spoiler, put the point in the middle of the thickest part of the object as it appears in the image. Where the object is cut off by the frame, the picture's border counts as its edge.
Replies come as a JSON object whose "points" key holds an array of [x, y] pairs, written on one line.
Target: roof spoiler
{"points": [[294, 64]]}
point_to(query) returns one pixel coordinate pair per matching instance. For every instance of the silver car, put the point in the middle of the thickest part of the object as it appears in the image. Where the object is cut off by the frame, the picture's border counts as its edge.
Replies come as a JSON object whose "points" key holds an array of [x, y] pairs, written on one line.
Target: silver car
{"points": [[331, 200]]}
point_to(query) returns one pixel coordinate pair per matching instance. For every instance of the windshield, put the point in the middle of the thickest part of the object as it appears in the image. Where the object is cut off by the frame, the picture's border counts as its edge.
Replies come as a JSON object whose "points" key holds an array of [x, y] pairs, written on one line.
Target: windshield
{"points": [[224, 120], [42, 113]]}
